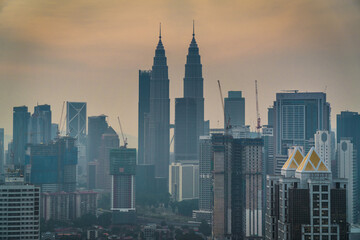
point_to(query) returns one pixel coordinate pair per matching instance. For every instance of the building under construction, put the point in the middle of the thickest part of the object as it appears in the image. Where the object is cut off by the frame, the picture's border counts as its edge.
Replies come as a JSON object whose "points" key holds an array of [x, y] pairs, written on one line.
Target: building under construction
{"points": [[122, 169], [238, 186], [52, 166]]}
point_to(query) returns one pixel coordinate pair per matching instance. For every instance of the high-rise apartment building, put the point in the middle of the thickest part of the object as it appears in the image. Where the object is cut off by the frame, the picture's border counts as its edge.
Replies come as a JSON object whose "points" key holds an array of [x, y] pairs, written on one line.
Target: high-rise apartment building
{"points": [[52, 166], [186, 136], [40, 125], [347, 168], [298, 115], [159, 117], [235, 109], [304, 202], [205, 181], [19, 209], [122, 169], [20, 135], [323, 147], [144, 109], [65, 206]]}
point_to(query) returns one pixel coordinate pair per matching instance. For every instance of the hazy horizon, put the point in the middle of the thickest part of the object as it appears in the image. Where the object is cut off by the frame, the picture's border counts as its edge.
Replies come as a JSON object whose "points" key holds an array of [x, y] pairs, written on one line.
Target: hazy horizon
{"points": [[91, 51]]}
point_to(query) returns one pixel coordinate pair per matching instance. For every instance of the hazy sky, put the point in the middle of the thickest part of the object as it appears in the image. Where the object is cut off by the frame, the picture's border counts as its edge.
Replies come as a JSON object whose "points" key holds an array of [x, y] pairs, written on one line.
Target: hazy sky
{"points": [[84, 50]]}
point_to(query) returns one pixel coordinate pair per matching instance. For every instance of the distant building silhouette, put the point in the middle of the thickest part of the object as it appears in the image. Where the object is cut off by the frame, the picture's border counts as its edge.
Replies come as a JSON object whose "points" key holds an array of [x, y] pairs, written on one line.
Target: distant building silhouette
{"points": [[20, 135], [186, 138], [235, 109], [40, 125], [109, 140], [76, 121], [144, 109], [159, 117], [97, 127]]}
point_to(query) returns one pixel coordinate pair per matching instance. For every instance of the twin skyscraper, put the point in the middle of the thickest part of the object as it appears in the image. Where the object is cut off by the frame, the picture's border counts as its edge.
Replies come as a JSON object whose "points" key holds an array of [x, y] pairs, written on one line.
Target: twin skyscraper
{"points": [[154, 115]]}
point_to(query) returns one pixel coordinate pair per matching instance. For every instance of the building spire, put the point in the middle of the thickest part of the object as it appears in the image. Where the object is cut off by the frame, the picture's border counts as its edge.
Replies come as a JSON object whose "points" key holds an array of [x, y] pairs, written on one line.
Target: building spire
{"points": [[193, 28], [160, 31]]}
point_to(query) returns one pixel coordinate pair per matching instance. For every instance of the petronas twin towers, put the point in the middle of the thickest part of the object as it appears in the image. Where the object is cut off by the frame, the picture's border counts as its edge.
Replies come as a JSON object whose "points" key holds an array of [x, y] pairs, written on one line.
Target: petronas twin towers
{"points": [[154, 135]]}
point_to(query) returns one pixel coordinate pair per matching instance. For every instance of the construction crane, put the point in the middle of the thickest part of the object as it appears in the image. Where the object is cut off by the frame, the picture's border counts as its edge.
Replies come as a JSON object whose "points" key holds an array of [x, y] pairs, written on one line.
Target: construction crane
{"points": [[122, 133], [226, 121], [258, 126]]}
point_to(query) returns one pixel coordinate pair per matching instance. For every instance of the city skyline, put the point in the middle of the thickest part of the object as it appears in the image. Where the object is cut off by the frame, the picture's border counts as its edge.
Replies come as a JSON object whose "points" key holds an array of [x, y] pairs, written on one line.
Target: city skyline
{"points": [[68, 55]]}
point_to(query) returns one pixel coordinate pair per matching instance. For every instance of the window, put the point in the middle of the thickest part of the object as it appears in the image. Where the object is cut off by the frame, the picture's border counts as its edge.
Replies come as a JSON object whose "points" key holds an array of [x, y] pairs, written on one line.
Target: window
{"points": [[315, 188], [316, 213], [324, 188], [325, 229], [324, 196], [324, 204]]}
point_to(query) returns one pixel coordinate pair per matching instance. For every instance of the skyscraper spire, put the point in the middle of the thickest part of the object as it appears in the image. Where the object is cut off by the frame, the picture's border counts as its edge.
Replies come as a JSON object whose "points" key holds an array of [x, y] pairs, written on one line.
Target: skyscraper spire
{"points": [[160, 32], [193, 28]]}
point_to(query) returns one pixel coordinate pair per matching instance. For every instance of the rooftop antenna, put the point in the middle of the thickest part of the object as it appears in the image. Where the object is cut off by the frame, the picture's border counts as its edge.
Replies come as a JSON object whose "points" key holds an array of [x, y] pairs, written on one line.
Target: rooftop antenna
{"points": [[160, 32]]}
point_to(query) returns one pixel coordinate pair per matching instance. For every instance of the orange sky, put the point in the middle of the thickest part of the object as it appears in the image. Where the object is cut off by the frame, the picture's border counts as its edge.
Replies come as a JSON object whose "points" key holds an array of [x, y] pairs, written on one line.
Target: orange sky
{"points": [[84, 50]]}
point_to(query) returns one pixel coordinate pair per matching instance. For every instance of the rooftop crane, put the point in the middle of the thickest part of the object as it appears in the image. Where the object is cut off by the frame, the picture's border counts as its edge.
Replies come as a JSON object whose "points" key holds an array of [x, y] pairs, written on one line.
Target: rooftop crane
{"points": [[122, 134], [258, 126], [226, 121]]}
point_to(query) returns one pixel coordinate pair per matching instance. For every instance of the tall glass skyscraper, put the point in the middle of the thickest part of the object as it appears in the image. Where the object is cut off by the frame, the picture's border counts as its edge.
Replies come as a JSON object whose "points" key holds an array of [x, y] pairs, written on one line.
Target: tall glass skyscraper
{"points": [[193, 83], [189, 111], [144, 109], [297, 118], [20, 135], [348, 128], [40, 125], [235, 109], [159, 117]]}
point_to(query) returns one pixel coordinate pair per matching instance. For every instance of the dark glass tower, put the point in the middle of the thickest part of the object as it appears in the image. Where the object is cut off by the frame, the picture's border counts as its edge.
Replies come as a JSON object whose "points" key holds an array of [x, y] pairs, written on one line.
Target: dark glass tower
{"points": [[40, 125], [193, 83], [159, 117], [144, 109], [20, 134]]}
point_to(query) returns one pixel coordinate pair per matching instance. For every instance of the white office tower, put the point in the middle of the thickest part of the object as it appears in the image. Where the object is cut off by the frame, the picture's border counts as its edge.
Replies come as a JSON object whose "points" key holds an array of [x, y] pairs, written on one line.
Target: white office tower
{"points": [[323, 146], [184, 181], [347, 169], [19, 210]]}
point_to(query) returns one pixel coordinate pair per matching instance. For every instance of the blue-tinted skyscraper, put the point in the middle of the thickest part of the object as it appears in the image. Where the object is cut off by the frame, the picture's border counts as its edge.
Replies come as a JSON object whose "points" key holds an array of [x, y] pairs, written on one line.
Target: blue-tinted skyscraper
{"points": [[97, 127], [20, 135], [40, 125], [235, 109], [186, 139], [193, 83], [159, 117], [297, 118], [76, 121], [144, 109], [348, 128]]}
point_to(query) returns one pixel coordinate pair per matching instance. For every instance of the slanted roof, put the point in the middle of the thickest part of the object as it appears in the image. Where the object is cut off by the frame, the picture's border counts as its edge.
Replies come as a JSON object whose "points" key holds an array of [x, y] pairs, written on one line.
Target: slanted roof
{"points": [[312, 163], [294, 160]]}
